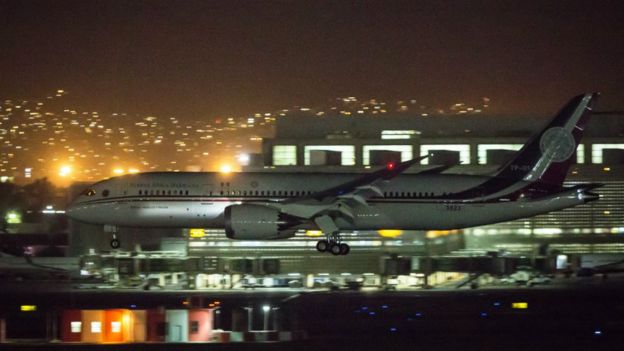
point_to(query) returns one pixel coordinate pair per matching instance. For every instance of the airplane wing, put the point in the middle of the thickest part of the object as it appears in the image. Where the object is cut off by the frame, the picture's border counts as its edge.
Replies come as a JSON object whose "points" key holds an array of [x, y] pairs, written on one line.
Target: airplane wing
{"points": [[324, 206], [363, 186]]}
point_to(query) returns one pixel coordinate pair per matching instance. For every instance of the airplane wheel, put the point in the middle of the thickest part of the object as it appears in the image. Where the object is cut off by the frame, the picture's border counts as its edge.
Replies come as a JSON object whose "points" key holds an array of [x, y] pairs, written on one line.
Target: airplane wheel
{"points": [[115, 244], [344, 249], [322, 245], [335, 249]]}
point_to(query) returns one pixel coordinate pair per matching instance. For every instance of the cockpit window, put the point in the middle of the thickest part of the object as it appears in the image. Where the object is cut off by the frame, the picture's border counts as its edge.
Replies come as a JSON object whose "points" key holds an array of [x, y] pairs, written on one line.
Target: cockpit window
{"points": [[88, 192], [105, 193]]}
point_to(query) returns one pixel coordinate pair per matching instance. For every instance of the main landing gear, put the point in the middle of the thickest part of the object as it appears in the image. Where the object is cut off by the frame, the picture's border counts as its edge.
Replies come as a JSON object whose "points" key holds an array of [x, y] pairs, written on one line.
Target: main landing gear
{"points": [[334, 247], [332, 244]]}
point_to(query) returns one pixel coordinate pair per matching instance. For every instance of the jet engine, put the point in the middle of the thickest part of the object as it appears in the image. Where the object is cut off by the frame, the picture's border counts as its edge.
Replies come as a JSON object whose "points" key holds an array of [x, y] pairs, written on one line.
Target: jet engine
{"points": [[258, 222]]}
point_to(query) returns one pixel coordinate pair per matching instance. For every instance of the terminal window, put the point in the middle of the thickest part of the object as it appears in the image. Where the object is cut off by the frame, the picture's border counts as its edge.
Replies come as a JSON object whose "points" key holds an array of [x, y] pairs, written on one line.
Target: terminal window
{"points": [[486, 151], [285, 155], [462, 149], [96, 327], [76, 327], [608, 153], [406, 152], [324, 155]]}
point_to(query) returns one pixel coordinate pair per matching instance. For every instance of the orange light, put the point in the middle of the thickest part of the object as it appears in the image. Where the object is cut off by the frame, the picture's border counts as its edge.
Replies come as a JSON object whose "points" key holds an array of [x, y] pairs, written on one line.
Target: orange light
{"points": [[197, 233], [64, 171], [313, 233], [390, 233], [519, 305], [432, 234], [28, 308], [225, 168]]}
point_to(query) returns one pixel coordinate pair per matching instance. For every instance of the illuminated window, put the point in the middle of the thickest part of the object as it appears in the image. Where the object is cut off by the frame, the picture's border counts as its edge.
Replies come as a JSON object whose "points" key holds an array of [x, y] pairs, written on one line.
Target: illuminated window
{"points": [[115, 327], [96, 327], [580, 153], [285, 155], [598, 151], [76, 327], [398, 134], [482, 150], [346, 156], [463, 149], [405, 150]]}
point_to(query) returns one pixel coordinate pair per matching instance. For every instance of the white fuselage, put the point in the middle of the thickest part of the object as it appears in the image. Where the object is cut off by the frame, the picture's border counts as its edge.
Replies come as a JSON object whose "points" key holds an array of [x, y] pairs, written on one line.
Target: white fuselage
{"points": [[198, 200]]}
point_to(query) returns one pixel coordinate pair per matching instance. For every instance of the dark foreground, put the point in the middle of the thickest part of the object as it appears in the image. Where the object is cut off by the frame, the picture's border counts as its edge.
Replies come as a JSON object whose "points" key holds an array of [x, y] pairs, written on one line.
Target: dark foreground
{"points": [[587, 315]]}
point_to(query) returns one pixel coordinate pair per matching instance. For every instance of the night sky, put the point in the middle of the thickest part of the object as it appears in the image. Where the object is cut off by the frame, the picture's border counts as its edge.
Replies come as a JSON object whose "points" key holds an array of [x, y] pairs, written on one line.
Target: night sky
{"points": [[196, 59]]}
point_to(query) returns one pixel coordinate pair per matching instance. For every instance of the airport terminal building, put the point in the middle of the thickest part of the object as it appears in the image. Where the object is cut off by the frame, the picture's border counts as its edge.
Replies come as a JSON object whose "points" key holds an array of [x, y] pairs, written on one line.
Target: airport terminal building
{"points": [[473, 144]]}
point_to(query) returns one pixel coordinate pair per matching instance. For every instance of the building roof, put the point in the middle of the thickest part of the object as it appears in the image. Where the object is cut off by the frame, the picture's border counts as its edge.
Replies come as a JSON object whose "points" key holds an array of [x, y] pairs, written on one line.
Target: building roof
{"points": [[370, 127]]}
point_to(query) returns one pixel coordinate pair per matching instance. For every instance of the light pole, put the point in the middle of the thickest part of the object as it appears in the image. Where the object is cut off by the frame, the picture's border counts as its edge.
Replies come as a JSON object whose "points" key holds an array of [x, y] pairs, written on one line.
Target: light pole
{"points": [[275, 319], [266, 309], [249, 317]]}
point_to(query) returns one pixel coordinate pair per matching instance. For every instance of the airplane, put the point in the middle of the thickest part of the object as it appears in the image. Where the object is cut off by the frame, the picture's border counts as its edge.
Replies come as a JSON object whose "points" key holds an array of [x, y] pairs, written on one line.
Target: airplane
{"points": [[269, 206]]}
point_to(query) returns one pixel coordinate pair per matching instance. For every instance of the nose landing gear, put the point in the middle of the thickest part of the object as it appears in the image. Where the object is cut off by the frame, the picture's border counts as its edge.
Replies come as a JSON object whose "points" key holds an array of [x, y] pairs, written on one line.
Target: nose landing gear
{"points": [[114, 243]]}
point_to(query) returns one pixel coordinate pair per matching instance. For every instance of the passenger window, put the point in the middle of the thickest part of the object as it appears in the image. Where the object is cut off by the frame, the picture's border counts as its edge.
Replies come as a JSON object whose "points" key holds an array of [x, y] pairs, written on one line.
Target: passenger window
{"points": [[186, 192]]}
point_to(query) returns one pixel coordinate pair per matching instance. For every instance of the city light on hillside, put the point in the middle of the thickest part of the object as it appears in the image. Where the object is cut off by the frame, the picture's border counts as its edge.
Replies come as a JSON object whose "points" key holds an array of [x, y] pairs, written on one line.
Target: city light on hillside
{"points": [[13, 217], [225, 168], [65, 171], [118, 171], [133, 170], [243, 159]]}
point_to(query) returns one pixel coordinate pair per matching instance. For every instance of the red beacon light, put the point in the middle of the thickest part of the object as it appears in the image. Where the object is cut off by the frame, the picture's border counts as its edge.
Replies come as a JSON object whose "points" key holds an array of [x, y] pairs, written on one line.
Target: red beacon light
{"points": [[390, 166]]}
